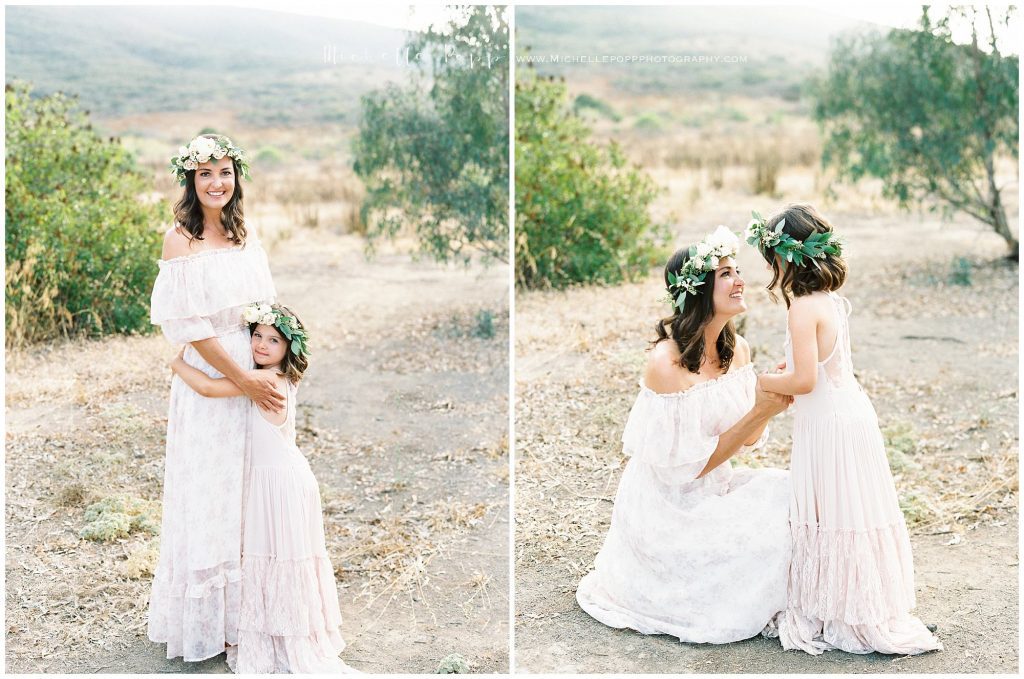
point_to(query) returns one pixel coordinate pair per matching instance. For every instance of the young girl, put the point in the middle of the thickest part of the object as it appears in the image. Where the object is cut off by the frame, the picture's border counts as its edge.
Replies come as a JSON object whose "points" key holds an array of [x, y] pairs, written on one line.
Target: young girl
{"points": [[289, 619], [851, 580]]}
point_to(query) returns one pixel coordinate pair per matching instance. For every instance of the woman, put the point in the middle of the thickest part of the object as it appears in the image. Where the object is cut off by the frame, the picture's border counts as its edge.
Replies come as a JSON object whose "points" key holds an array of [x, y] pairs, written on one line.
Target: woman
{"points": [[696, 550], [211, 268]]}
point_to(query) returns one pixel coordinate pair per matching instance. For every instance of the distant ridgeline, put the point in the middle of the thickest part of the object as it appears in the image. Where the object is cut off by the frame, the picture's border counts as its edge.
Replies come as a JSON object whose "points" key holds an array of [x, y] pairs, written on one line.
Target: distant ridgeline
{"points": [[268, 67], [751, 51]]}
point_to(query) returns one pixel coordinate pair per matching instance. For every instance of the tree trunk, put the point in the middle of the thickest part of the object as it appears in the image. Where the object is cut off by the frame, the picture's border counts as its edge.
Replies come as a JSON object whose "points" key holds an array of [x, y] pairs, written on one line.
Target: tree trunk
{"points": [[998, 213], [1003, 229]]}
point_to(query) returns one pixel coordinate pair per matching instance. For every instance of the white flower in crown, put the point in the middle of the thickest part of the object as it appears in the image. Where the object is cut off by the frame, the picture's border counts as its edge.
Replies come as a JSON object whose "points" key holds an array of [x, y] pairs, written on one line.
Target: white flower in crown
{"points": [[263, 309], [703, 249], [202, 148], [723, 241], [183, 151], [714, 262], [251, 314], [190, 164], [268, 319], [219, 152]]}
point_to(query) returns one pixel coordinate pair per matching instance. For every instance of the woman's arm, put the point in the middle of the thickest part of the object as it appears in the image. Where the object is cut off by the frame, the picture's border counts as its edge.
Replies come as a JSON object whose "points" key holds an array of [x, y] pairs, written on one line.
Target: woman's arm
{"points": [[803, 333], [259, 386], [766, 406], [203, 384]]}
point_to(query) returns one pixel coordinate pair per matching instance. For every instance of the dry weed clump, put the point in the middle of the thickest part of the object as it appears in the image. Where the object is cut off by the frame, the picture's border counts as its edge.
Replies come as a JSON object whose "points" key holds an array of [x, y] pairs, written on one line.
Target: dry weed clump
{"points": [[118, 516], [141, 562], [72, 495]]}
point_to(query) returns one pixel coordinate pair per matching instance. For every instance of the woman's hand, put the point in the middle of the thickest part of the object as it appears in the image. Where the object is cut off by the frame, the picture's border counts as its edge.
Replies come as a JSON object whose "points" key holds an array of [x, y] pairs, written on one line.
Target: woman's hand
{"points": [[261, 388], [179, 357], [768, 403]]}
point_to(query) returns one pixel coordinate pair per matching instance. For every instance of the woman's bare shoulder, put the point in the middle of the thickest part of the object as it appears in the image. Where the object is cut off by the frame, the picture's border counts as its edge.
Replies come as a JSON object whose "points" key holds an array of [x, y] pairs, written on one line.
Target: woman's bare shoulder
{"points": [[176, 243], [663, 373]]}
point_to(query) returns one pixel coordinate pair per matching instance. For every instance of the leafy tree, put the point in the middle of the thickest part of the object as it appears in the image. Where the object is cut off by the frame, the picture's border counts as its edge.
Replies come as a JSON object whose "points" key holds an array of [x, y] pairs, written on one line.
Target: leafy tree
{"points": [[81, 246], [581, 209], [927, 116], [435, 154]]}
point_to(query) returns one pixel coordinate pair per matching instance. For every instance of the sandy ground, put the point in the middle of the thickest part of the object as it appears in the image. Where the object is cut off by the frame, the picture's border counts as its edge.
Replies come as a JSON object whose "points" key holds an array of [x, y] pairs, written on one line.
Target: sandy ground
{"points": [[403, 416], [938, 360]]}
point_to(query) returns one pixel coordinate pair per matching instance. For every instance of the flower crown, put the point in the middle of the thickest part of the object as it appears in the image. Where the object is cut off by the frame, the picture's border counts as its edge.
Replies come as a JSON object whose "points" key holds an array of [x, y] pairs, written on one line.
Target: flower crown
{"points": [[816, 246], [265, 314], [201, 149], [704, 257]]}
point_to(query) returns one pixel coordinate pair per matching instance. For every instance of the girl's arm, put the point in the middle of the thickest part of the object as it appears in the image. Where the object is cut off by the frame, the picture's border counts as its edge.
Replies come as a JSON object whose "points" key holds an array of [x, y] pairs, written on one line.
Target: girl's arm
{"points": [[201, 383], [258, 387], [803, 333]]}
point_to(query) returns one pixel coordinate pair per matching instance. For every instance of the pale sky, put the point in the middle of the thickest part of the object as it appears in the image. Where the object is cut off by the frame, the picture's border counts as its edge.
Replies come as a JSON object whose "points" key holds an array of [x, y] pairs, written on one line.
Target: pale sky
{"points": [[401, 15], [416, 16]]}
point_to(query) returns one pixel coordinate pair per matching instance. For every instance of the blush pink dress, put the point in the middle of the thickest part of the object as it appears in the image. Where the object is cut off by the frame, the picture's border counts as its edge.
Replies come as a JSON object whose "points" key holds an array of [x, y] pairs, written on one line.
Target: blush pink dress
{"points": [[851, 582], [289, 621]]}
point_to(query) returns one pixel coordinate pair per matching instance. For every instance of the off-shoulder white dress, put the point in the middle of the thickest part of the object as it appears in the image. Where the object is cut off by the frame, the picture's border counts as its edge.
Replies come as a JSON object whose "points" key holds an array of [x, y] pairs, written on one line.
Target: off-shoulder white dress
{"points": [[704, 560], [194, 603]]}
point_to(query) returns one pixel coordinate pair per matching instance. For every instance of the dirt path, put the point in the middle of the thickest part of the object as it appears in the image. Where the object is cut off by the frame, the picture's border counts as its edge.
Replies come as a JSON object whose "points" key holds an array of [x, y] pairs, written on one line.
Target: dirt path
{"points": [[402, 416], [940, 363]]}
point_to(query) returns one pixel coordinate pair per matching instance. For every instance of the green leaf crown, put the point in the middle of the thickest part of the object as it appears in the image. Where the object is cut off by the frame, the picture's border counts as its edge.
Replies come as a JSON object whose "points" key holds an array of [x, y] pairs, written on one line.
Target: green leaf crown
{"points": [[704, 258], [815, 247], [266, 314], [201, 149]]}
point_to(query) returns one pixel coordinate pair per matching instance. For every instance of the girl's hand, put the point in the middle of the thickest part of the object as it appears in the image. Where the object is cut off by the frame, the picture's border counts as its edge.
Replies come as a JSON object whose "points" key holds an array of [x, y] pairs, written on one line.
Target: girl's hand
{"points": [[781, 367], [174, 361]]}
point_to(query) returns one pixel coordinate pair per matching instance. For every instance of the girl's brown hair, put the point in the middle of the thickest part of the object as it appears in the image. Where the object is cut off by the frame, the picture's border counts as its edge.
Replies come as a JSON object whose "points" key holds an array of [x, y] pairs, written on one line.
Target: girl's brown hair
{"points": [[292, 365], [188, 211], [686, 327], [826, 274]]}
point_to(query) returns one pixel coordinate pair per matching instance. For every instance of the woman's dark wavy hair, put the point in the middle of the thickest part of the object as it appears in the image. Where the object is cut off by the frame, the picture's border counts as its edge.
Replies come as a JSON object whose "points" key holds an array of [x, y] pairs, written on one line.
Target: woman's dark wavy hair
{"points": [[188, 211], [686, 327], [826, 274], [292, 366]]}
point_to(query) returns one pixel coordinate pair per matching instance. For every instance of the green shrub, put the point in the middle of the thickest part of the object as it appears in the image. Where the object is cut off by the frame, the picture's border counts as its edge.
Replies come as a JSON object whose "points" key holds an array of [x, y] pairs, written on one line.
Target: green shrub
{"points": [[581, 210], [588, 102], [269, 155], [119, 516], [900, 444], [648, 122], [484, 328], [453, 664], [81, 246], [960, 271]]}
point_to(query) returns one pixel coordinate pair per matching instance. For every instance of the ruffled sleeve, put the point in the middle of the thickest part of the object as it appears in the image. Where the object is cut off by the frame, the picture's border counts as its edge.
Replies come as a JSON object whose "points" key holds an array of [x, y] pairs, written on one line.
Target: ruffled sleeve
{"points": [[190, 291], [664, 430], [677, 433]]}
